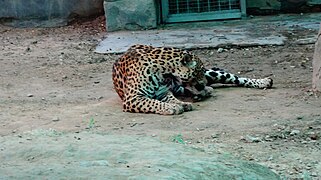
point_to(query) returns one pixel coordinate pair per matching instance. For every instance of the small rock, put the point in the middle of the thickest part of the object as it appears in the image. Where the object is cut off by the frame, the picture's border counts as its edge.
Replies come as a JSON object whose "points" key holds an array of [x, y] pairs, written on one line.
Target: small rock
{"points": [[294, 132], [55, 119], [252, 139], [270, 158], [219, 50], [304, 142], [29, 95], [314, 174], [313, 136], [215, 136], [100, 97], [268, 138]]}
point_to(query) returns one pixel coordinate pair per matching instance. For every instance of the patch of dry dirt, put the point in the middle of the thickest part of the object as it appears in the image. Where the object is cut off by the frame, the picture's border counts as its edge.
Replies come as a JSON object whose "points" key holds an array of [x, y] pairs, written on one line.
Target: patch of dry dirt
{"points": [[51, 78]]}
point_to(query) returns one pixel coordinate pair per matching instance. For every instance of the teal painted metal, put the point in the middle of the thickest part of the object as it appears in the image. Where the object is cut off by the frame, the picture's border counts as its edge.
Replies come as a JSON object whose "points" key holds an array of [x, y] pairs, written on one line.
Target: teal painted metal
{"points": [[198, 10]]}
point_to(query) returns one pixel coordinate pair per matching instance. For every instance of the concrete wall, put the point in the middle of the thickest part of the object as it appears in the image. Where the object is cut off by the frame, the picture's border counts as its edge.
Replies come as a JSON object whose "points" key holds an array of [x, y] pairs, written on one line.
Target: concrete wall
{"points": [[283, 6], [30, 13], [130, 14], [143, 14], [120, 14]]}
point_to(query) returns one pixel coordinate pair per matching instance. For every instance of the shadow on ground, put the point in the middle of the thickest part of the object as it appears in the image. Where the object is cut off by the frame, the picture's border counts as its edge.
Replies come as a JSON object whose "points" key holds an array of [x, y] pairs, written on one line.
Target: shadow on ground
{"points": [[116, 157]]}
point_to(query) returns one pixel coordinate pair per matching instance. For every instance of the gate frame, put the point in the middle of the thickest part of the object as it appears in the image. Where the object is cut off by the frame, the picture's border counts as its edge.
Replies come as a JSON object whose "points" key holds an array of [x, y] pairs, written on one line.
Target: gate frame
{"points": [[223, 14]]}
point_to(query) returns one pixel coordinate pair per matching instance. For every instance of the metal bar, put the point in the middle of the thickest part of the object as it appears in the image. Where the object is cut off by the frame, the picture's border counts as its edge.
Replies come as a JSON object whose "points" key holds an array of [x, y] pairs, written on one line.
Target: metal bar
{"points": [[165, 10], [198, 6], [224, 14], [177, 7], [243, 8], [187, 4]]}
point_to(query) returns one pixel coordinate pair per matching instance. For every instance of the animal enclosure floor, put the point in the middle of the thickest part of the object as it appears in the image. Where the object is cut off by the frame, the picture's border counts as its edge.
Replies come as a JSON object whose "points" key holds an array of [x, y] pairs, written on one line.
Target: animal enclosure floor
{"points": [[51, 78]]}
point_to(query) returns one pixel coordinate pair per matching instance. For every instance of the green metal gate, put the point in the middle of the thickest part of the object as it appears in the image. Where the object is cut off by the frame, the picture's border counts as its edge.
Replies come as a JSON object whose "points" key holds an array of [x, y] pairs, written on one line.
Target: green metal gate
{"points": [[199, 10]]}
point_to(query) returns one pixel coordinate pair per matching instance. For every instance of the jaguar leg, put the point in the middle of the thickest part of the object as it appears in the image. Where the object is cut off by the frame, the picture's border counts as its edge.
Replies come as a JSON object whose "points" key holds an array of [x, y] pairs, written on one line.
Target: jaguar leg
{"points": [[144, 104], [170, 98]]}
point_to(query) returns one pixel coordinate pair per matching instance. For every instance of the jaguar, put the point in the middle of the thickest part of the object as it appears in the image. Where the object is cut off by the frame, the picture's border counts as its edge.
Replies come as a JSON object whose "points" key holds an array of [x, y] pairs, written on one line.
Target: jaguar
{"points": [[148, 79]]}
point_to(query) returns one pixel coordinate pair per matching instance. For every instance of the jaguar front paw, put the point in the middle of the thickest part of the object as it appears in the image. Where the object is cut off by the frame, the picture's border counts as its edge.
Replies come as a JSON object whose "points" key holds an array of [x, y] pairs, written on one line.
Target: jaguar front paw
{"points": [[205, 93], [172, 109], [187, 106]]}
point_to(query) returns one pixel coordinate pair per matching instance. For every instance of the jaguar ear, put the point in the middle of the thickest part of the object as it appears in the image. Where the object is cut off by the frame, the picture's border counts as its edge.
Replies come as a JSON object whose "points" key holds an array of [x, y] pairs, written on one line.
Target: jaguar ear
{"points": [[187, 58]]}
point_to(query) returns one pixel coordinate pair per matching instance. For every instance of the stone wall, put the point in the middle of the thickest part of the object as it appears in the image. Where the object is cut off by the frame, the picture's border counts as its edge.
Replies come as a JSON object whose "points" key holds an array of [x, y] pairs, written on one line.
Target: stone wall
{"points": [[46, 13], [130, 14]]}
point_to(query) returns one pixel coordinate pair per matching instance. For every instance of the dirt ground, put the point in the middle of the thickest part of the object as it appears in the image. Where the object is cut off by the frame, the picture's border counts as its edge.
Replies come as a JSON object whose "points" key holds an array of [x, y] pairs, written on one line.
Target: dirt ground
{"points": [[50, 78]]}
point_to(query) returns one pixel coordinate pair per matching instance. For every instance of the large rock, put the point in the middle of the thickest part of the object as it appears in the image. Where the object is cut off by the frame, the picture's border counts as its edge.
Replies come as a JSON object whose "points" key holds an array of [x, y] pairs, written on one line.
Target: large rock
{"points": [[47, 13], [130, 14], [52, 155]]}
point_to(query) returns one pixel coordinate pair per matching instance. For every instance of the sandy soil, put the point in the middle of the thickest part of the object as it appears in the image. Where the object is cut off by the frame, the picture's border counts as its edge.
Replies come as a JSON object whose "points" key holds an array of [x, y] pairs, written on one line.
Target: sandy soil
{"points": [[52, 79]]}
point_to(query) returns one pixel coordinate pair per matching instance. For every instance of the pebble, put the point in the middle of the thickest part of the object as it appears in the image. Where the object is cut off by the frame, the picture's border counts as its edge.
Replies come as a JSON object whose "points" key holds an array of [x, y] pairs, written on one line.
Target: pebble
{"points": [[55, 119], [29, 95], [304, 142], [100, 97], [314, 174], [219, 50], [313, 136], [215, 136], [252, 139], [294, 132]]}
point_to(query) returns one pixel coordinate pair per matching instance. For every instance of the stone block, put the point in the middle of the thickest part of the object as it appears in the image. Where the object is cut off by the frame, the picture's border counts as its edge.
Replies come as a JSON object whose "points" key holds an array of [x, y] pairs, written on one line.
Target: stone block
{"points": [[130, 14]]}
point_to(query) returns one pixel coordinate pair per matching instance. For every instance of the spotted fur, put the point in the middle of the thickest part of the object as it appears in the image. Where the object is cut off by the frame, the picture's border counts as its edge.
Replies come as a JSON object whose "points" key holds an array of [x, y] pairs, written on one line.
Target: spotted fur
{"points": [[146, 79], [143, 78], [216, 75]]}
